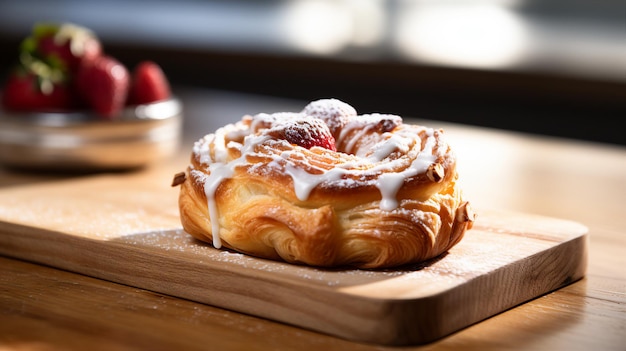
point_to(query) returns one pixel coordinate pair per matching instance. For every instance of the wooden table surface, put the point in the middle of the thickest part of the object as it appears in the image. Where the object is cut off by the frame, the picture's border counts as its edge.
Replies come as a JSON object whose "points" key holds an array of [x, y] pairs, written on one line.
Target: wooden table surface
{"points": [[43, 308]]}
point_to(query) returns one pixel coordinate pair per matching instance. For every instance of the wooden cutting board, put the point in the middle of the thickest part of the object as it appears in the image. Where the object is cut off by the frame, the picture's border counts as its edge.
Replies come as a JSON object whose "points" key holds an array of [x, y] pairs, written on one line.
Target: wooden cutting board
{"points": [[125, 228]]}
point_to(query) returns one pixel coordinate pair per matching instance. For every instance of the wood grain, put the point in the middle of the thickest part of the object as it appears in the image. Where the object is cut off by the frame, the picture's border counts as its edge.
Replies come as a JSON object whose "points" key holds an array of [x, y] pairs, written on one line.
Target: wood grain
{"points": [[125, 228]]}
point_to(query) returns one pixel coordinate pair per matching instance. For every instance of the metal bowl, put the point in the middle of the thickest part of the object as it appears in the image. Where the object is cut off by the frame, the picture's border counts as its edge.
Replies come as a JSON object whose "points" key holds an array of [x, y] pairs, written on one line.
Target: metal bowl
{"points": [[80, 141]]}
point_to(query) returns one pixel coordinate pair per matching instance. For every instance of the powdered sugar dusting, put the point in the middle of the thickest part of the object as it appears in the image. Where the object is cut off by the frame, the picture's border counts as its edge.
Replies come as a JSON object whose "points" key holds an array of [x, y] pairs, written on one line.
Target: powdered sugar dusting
{"points": [[335, 113]]}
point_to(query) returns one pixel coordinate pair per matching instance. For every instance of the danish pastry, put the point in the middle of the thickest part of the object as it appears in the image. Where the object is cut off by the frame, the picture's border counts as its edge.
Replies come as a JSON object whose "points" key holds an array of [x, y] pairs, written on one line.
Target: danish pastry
{"points": [[325, 187]]}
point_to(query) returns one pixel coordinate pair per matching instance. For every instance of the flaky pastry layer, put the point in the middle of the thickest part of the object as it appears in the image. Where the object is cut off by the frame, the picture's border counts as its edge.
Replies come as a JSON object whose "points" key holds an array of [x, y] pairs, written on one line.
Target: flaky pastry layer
{"points": [[387, 197]]}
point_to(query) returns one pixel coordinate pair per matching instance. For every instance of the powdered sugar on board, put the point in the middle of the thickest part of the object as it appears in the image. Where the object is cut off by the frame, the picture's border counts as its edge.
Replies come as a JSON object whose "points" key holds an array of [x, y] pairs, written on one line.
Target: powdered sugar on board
{"points": [[481, 251]]}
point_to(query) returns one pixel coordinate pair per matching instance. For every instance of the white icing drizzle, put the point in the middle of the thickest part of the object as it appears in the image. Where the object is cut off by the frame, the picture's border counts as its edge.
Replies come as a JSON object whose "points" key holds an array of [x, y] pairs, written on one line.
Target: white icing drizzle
{"points": [[389, 184], [219, 172], [350, 145], [220, 168], [373, 165], [304, 182]]}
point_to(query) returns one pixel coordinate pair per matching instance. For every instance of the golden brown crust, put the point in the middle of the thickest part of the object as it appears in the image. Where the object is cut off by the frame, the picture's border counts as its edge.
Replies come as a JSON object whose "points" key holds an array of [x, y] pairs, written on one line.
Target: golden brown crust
{"points": [[345, 220]]}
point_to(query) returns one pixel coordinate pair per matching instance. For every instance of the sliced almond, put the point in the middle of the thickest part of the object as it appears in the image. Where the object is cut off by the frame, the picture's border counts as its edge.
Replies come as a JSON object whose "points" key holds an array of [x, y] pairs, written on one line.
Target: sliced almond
{"points": [[435, 172], [465, 213], [179, 178]]}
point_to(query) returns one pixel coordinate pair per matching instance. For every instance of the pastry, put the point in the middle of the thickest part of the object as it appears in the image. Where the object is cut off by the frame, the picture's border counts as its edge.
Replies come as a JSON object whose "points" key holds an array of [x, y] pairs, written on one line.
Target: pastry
{"points": [[325, 187]]}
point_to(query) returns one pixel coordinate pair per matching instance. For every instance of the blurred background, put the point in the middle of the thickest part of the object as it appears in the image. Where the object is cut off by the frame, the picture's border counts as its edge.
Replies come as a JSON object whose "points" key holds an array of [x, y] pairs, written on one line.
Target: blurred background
{"points": [[546, 67]]}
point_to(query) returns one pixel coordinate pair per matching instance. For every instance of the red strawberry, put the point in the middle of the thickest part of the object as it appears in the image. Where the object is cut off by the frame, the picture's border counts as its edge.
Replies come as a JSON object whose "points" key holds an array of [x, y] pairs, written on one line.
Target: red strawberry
{"points": [[65, 46], [26, 91], [148, 84], [103, 84], [304, 131]]}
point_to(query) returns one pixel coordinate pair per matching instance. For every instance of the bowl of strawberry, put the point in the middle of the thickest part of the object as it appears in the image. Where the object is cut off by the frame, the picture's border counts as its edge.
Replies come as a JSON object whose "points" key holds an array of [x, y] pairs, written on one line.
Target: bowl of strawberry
{"points": [[68, 105]]}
